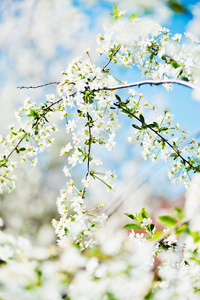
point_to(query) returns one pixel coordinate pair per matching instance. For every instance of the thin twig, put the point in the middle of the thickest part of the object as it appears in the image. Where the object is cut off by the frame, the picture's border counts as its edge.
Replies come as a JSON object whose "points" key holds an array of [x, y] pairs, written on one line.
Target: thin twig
{"points": [[158, 134], [20, 141], [89, 127], [88, 158], [38, 86], [169, 231], [15, 148], [45, 110], [104, 67], [150, 82], [53, 103]]}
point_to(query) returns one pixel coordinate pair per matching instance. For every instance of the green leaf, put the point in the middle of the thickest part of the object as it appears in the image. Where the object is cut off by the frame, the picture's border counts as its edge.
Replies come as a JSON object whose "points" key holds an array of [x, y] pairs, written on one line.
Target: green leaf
{"points": [[152, 228], [141, 214], [142, 119], [168, 220], [36, 131], [151, 125], [195, 236], [179, 213], [130, 216], [164, 57], [156, 124], [66, 230], [163, 129], [118, 98], [174, 64], [132, 226], [115, 11], [126, 102], [45, 119], [136, 127], [145, 215], [109, 296], [32, 113], [157, 235], [115, 8], [180, 73], [176, 6], [151, 56], [183, 228], [38, 272], [174, 155], [22, 149], [133, 16], [184, 78], [86, 132]]}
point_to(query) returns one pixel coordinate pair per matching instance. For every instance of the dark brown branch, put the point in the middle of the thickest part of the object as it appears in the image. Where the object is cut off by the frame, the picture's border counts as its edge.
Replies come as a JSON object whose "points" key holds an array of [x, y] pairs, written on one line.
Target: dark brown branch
{"points": [[45, 110], [53, 103], [38, 86], [20, 141], [158, 134], [88, 157], [148, 82], [89, 128], [14, 149]]}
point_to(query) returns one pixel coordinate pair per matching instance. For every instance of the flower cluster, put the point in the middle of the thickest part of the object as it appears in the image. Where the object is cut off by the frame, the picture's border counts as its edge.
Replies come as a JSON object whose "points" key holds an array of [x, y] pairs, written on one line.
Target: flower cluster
{"points": [[90, 106], [151, 264], [159, 55], [69, 274], [162, 137], [94, 124], [31, 136]]}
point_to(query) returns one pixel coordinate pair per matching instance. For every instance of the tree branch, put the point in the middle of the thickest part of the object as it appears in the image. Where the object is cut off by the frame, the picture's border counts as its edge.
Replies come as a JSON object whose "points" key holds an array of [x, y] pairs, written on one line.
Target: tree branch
{"points": [[88, 158], [109, 61], [15, 148], [38, 86], [146, 82], [89, 127], [169, 231], [158, 134], [58, 82], [20, 141]]}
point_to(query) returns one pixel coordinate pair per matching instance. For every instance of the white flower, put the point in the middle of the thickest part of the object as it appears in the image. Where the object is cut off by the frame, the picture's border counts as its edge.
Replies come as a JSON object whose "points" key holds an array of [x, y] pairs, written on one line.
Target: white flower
{"points": [[70, 126], [177, 37], [66, 172], [66, 149], [146, 222], [97, 161], [50, 97], [165, 155], [130, 139]]}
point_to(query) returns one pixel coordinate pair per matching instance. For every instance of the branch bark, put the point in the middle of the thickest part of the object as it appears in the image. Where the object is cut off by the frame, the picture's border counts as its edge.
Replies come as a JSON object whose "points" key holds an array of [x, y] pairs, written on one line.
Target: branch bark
{"points": [[38, 86], [148, 82], [158, 134]]}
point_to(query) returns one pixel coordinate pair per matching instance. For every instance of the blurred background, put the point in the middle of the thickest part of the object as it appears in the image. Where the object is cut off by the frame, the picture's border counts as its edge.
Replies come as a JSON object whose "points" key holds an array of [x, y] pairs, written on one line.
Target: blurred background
{"points": [[38, 38]]}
